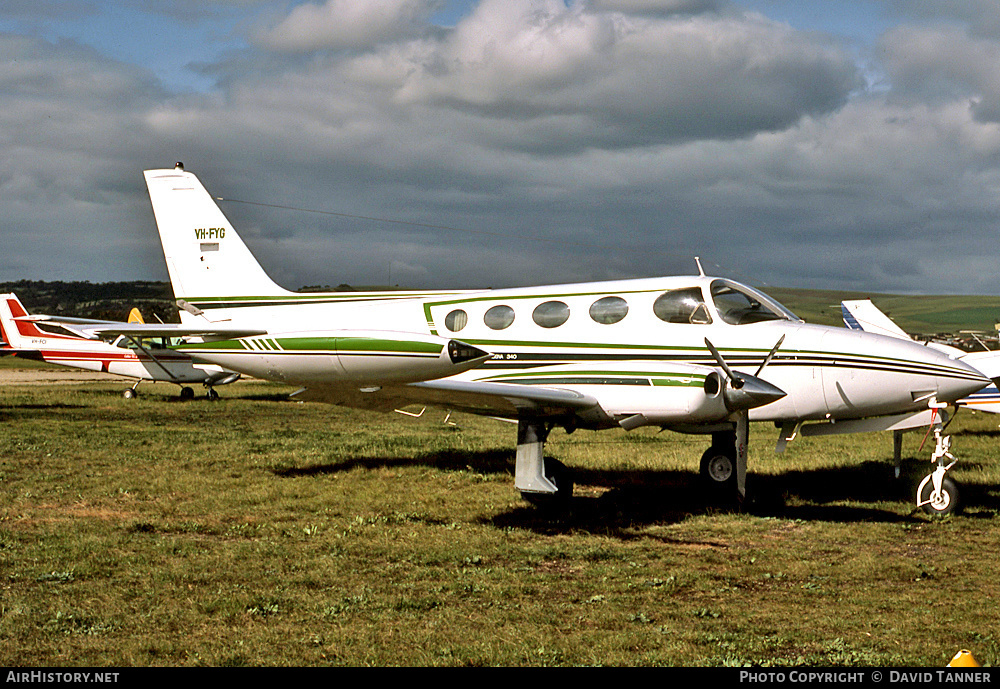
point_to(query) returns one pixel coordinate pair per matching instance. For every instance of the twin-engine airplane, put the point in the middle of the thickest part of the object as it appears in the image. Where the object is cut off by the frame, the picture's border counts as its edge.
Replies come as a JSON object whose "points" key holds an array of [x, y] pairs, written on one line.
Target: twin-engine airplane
{"points": [[132, 350], [690, 354]]}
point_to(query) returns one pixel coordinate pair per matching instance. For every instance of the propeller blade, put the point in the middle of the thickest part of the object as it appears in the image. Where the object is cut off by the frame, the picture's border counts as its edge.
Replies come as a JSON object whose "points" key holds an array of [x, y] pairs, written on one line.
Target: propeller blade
{"points": [[734, 380], [767, 359]]}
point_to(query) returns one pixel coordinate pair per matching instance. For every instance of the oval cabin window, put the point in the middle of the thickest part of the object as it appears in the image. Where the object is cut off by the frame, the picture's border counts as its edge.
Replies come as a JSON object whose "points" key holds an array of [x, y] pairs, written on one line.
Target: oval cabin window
{"points": [[499, 317], [608, 310], [456, 320], [550, 314]]}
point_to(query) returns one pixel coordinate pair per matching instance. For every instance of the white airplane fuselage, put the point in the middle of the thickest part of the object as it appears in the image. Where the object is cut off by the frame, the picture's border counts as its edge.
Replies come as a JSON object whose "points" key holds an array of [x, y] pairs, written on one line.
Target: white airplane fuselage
{"points": [[691, 354], [638, 364]]}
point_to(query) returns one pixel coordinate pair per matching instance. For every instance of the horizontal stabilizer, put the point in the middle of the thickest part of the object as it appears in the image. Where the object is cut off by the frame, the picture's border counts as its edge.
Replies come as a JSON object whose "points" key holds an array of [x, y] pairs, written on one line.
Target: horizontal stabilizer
{"points": [[94, 329], [173, 330]]}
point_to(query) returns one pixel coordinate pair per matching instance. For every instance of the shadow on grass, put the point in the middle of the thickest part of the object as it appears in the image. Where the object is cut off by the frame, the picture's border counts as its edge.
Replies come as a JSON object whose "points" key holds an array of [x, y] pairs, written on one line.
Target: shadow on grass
{"points": [[39, 407], [626, 499], [489, 462], [976, 433]]}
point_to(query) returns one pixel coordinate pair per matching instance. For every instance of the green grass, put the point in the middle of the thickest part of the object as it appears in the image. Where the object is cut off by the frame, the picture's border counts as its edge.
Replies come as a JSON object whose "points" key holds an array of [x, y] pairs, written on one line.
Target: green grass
{"points": [[256, 531]]}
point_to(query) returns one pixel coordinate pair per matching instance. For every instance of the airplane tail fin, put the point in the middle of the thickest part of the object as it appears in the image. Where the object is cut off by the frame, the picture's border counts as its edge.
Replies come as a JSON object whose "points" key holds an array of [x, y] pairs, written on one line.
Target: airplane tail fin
{"points": [[5, 322], [16, 333], [209, 265], [135, 316], [862, 314]]}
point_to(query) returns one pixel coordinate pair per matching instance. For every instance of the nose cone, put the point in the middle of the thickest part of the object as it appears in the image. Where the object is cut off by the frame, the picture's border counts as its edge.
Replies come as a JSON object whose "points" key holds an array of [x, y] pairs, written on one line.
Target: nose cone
{"points": [[960, 381], [752, 392]]}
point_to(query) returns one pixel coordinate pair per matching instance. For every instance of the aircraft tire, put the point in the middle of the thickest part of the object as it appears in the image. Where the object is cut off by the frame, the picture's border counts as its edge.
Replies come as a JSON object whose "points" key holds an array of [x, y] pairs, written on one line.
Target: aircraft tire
{"points": [[949, 502], [562, 477], [187, 393], [717, 468], [129, 393]]}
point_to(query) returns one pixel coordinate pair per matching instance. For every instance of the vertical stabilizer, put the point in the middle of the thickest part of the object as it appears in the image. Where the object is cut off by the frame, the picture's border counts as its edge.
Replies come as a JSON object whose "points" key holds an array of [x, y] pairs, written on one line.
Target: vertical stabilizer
{"points": [[11, 330], [5, 321], [208, 263], [862, 314]]}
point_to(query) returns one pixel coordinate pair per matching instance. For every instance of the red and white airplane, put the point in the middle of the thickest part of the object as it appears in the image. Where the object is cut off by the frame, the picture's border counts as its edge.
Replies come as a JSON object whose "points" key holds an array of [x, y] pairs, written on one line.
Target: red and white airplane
{"points": [[132, 350]]}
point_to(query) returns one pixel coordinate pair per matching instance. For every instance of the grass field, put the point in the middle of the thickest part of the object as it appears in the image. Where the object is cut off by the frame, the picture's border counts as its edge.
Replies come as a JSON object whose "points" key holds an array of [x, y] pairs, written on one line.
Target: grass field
{"points": [[257, 531]]}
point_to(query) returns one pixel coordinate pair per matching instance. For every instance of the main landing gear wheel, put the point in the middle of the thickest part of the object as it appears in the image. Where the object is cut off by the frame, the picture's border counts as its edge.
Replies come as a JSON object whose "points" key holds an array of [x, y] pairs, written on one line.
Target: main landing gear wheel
{"points": [[562, 478], [717, 468], [130, 393], [719, 473], [942, 503], [187, 393]]}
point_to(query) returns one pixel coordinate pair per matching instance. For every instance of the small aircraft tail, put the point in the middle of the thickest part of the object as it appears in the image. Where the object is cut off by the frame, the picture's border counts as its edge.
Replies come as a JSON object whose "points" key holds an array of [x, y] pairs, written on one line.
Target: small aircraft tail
{"points": [[209, 265], [862, 314], [16, 334], [4, 340]]}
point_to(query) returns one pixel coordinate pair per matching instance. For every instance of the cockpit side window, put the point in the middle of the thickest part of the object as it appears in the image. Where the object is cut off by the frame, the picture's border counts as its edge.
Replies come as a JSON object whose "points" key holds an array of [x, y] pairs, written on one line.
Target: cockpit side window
{"points": [[682, 306], [739, 305]]}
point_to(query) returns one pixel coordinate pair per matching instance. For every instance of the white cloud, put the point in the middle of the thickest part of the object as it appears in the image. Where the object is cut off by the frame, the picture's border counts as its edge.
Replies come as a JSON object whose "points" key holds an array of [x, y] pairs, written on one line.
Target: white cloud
{"points": [[347, 24]]}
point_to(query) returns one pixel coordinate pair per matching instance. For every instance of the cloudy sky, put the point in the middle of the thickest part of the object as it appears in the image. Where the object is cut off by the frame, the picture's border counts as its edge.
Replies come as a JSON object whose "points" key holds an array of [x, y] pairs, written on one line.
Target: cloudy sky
{"points": [[842, 144]]}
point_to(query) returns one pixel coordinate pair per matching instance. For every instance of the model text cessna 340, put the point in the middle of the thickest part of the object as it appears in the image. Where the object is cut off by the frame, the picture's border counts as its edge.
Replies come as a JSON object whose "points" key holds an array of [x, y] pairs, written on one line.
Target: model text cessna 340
{"points": [[695, 354]]}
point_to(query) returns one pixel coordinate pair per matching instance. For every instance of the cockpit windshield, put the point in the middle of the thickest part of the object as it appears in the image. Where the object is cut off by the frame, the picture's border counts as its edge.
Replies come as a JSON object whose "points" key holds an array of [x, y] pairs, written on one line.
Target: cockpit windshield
{"points": [[739, 305]]}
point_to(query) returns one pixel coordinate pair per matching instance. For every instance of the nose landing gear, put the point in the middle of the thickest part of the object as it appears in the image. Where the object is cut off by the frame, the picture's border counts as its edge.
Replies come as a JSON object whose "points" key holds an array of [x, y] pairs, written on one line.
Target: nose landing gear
{"points": [[937, 494]]}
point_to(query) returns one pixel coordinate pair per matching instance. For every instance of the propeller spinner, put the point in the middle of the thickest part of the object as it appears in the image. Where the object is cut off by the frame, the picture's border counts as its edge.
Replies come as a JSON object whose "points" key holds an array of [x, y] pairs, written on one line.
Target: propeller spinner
{"points": [[746, 391]]}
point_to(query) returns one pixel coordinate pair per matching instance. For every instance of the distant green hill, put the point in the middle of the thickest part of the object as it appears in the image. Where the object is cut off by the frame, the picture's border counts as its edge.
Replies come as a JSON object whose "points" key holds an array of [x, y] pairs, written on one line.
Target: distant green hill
{"points": [[102, 300], [919, 315]]}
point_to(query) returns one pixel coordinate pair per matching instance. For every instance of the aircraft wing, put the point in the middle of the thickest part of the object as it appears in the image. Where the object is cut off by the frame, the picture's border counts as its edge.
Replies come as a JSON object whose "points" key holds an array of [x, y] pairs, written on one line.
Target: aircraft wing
{"points": [[173, 330], [987, 362], [503, 400]]}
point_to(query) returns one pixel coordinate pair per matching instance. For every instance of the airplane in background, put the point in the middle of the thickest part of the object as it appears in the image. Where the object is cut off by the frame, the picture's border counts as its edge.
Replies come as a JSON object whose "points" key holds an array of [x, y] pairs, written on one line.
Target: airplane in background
{"points": [[132, 350], [693, 354], [862, 314]]}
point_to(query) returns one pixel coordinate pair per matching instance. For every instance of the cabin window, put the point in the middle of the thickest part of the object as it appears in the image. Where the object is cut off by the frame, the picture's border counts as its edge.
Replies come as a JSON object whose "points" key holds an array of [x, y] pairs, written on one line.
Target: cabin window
{"points": [[682, 306], [550, 314], [456, 320], [608, 310], [738, 305], [499, 317]]}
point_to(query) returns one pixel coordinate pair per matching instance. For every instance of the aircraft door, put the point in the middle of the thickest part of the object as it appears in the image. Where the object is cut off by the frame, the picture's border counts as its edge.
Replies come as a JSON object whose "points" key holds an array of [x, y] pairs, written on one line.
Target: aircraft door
{"points": [[839, 381]]}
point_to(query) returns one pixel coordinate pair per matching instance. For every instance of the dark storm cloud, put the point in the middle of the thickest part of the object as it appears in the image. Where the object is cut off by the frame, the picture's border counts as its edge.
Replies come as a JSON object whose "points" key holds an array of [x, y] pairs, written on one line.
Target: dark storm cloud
{"points": [[578, 141]]}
